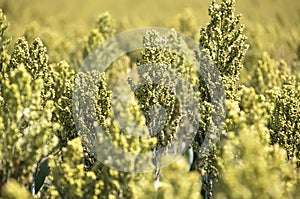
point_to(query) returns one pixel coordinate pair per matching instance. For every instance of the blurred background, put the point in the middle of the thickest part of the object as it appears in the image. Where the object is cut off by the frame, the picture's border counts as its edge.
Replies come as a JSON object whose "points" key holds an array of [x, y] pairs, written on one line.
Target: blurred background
{"points": [[78, 15]]}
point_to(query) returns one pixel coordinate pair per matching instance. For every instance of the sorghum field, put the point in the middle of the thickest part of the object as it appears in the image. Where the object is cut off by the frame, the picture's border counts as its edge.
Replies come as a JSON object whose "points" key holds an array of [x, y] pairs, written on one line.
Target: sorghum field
{"points": [[203, 104]]}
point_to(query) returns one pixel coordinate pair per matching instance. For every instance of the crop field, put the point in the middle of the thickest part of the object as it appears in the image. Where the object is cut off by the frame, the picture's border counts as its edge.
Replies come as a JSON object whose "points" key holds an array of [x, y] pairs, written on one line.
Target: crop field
{"points": [[153, 99]]}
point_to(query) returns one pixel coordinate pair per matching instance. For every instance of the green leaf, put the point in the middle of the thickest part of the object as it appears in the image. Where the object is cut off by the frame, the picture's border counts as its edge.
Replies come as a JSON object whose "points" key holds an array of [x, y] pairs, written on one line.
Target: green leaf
{"points": [[43, 171]]}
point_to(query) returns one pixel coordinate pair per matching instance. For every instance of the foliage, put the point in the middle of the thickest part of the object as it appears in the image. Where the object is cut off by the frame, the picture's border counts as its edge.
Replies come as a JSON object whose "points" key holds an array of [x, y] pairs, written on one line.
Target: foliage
{"points": [[68, 177], [223, 40], [50, 112], [96, 51], [247, 162], [24, 120], [187, 23], [104, 29], [4, 57], [63, 81], [248, 165], [12, 190], [268, 73], [285, 116], [161, 55], [172, 184]]}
